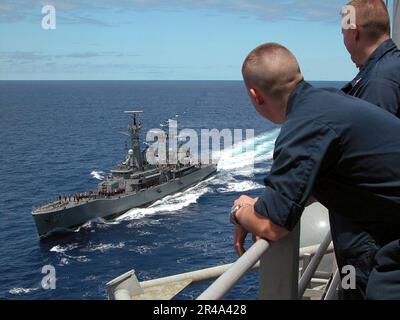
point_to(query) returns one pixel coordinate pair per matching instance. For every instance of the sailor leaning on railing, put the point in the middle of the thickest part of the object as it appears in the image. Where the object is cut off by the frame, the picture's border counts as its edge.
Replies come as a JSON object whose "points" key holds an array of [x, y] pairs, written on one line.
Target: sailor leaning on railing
{"points": [[338, 149]]}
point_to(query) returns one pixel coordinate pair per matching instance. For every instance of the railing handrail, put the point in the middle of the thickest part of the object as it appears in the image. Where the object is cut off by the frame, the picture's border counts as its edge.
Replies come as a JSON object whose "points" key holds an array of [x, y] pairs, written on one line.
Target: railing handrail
{"points": [[229, 278], [208, 274], [212, 273], [238, 269]]}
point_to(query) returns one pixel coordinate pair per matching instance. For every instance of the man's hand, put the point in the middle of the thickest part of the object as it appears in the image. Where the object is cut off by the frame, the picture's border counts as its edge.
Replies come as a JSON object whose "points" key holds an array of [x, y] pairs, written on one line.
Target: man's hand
{"points": [[245, 200], [252, 222], [256, 238], [240, 232], [238, 240]]}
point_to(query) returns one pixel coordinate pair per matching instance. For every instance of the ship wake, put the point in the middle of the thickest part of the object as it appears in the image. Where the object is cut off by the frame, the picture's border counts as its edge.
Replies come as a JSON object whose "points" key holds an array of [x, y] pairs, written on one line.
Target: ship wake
{"points": [[99, 175], [170, 204]]}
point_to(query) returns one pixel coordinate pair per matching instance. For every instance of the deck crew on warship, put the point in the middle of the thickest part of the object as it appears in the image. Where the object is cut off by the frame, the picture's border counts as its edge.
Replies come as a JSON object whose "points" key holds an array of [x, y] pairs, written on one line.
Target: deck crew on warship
{"points": [[338, 149]]}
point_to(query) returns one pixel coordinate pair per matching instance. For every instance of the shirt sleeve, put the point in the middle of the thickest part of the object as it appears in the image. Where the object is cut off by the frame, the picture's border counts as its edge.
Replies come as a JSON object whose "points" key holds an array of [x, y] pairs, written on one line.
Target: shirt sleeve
{"points": [[383, 93], [303, 151]]}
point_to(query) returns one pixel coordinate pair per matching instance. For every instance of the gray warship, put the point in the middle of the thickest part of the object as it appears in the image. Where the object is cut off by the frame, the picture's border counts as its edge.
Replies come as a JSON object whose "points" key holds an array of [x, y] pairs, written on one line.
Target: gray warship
{"points": [[134, 183]]}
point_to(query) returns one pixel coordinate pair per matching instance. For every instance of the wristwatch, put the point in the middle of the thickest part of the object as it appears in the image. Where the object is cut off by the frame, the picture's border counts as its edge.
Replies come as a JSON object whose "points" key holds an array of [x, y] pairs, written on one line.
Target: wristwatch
{"points": [[232, 217]]}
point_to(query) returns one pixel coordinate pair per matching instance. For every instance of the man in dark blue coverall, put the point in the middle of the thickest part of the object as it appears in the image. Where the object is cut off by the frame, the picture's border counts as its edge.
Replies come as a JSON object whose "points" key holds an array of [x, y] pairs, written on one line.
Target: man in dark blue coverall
{"points": [[375, 54], [372, 50], [340, 150]]}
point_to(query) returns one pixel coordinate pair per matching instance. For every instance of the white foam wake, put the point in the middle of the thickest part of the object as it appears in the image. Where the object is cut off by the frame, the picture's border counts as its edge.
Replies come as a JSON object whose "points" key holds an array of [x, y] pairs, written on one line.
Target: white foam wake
{"points": [[99, 175], [241, 186], [244, 155], [103, 247], [241, 160], [63, 249], [22, 290], [171, 203], [98, 222]]}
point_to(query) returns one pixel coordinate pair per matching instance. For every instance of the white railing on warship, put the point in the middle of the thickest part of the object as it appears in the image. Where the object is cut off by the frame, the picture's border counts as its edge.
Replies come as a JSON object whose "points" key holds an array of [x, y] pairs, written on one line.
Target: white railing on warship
{"points": [[277, 264], [80, 197], [278, 269]]}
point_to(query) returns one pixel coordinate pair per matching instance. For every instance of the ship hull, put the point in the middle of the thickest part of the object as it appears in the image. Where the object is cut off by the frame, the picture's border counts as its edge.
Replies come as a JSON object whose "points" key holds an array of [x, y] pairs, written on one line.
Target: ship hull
{"points": [[69, 218]]}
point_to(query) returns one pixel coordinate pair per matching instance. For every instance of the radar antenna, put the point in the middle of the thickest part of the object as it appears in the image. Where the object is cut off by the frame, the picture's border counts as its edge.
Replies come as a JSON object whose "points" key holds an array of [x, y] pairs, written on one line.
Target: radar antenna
{"points": [[134, 130]]}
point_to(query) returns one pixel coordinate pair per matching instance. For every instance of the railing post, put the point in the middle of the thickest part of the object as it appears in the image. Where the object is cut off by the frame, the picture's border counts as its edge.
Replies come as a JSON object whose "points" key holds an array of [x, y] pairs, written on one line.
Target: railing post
{"points": [[306, 261], [312, 267], [279, 268], [331, 292]]}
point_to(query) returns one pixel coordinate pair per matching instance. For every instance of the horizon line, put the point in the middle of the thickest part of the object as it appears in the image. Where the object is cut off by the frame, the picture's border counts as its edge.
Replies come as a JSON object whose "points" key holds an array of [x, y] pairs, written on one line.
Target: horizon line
{"points": [[152, 80]]}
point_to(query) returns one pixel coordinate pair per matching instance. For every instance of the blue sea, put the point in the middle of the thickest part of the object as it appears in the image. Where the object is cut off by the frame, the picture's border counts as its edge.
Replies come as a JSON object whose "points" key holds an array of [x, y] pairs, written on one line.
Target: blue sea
{"points": [[58, 137]]}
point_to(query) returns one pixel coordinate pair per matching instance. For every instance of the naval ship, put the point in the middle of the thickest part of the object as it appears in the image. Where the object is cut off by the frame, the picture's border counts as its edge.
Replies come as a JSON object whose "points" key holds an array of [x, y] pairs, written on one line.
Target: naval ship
{"points": [[134, 183]]}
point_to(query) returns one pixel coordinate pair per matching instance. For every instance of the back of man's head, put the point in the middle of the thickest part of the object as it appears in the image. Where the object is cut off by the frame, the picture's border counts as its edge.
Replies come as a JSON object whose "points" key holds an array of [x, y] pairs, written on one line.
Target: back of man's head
{"points": [[372, 17], [271, 68]]}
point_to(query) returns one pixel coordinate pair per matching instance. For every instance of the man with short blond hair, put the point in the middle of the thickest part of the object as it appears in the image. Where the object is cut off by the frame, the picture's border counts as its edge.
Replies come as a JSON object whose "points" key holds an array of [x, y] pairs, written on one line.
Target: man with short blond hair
{"points": [[368, 41], [337, 149]]}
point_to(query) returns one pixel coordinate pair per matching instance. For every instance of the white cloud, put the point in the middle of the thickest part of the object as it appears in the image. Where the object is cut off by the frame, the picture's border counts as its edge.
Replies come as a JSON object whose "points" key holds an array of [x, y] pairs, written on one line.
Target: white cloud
{"points": [[31, 56], [82, 12]]}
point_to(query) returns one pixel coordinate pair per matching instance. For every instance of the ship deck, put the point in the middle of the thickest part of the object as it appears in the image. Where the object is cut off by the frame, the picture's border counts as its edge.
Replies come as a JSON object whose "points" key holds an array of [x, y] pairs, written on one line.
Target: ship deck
{"points": [[63, 205]]}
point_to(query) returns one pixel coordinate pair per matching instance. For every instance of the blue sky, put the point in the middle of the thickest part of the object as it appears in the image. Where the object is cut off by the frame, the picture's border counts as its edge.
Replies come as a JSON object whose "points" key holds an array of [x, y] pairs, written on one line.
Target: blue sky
{"points": [[167, 39]]}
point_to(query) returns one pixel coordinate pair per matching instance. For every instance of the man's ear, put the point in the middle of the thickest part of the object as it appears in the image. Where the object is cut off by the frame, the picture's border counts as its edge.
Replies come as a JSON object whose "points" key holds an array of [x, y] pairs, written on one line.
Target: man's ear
{"points": [[256, 96], [356, 33]]}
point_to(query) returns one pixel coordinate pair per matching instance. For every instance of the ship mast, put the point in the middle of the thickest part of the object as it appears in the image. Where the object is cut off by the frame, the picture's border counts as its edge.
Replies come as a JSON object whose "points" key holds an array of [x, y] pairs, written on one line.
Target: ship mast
{"points": [[134, 130]]}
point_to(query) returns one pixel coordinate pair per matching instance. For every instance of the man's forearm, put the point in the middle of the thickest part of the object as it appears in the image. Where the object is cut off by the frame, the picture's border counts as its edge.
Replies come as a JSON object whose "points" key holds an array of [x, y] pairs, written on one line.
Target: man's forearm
{"points": [[259, 225]]}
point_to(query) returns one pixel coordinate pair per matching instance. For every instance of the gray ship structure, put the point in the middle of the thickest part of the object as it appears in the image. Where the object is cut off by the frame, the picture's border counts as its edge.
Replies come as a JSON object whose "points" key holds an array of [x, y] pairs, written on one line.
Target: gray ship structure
{"points": [[134, 184]]}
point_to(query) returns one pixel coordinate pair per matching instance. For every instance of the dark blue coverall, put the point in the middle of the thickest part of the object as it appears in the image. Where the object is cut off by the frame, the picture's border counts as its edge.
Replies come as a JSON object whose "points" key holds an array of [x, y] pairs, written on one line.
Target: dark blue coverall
{"points": [[378, 81], [346, 153]]}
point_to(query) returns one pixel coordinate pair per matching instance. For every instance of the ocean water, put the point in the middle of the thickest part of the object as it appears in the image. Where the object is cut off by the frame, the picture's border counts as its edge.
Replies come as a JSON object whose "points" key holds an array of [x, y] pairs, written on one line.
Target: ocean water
{"points": [[59, 137]]}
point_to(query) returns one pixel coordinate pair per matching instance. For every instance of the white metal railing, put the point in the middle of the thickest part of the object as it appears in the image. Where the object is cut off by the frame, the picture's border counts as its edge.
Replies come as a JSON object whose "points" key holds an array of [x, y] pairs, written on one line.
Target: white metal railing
{"points": [[227, 280], [128, 280], [279, 283], [330, 293], [313, 265], [209, 274]]}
